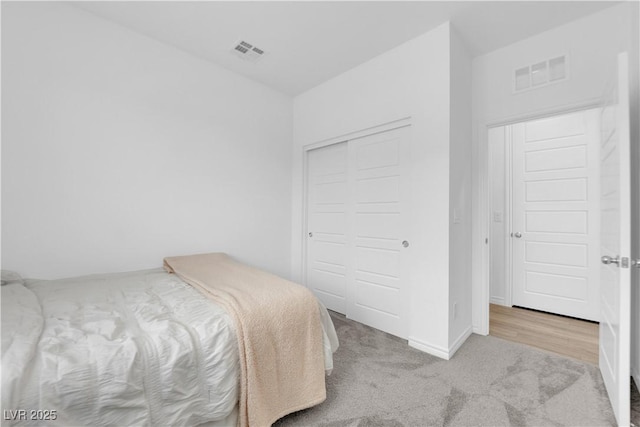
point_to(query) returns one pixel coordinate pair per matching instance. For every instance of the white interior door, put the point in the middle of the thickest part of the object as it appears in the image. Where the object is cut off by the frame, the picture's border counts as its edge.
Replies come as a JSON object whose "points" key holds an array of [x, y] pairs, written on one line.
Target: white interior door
{"points": [[615, 239], [328, 225], [555, 216], [380, 236]]}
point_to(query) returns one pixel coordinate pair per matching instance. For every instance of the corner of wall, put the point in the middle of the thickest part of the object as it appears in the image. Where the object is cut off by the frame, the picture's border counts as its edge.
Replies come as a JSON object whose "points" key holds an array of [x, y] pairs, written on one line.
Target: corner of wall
{"points": [[460, 193], [432, 349], [445, 353]]}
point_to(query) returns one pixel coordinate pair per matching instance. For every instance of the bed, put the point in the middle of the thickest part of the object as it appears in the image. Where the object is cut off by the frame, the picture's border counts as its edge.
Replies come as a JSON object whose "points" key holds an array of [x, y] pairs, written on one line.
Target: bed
{"points": [[140, 348]]}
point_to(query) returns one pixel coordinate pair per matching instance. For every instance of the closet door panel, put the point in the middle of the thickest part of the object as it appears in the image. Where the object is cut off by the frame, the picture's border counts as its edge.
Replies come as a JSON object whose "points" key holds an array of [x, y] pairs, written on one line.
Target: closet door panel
{"points": [[328, 225], [377, 173]]}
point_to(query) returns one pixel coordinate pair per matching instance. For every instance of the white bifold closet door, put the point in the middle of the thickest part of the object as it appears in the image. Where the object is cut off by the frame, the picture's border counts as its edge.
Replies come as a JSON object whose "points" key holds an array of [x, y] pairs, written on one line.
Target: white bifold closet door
{"points": [[357, 238]]}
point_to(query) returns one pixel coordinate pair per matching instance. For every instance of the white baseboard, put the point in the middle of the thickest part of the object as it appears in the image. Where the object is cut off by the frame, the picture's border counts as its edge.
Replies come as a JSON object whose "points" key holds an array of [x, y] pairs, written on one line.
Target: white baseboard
{"points": [[434, 350], [438, 351], [497, 300], [459, 341], [480, 331]]}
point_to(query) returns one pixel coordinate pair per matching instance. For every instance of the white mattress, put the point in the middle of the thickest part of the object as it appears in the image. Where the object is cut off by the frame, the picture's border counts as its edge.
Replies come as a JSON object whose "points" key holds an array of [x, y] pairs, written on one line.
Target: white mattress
{"points": [[164, 355]]}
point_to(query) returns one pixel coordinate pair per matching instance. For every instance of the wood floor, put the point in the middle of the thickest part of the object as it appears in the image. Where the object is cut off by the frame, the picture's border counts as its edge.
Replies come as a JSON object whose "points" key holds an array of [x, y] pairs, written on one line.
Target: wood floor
{"points": [[558, 334]]}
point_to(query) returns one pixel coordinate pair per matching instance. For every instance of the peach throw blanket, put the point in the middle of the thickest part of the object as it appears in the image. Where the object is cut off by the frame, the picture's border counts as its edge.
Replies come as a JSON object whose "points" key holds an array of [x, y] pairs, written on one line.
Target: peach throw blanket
{"points": [[279, 334]]}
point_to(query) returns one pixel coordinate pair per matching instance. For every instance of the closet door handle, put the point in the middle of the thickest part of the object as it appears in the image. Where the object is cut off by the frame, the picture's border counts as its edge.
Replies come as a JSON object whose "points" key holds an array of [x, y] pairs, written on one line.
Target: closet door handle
{"points": [[517, 234], [405, 244]]}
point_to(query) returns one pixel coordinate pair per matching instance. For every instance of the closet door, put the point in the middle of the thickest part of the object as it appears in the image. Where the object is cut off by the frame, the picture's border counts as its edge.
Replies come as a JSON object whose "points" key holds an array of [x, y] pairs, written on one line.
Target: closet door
{"points": [[327, 225], [357, 237], [377, 295]]}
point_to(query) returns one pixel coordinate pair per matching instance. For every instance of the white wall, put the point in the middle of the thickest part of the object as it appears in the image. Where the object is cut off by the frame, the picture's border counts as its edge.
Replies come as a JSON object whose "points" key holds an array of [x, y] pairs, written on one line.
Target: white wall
{"points": [[459, 192], [118, 150], [592, 44], [410, 80]]}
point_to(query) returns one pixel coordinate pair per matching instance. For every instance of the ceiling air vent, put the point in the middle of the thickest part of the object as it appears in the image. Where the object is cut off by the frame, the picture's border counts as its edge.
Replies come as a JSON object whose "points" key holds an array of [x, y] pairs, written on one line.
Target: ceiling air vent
{"points": [[247, 51]]}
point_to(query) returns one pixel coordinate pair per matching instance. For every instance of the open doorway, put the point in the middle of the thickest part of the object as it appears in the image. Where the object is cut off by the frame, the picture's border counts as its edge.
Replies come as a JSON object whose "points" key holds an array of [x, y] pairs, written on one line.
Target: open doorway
{"points": [[543, 180]]}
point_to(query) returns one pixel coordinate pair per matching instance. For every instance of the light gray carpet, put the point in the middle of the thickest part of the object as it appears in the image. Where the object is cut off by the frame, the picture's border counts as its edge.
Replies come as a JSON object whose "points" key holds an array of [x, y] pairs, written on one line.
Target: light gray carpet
{"points": [[380, 381]]}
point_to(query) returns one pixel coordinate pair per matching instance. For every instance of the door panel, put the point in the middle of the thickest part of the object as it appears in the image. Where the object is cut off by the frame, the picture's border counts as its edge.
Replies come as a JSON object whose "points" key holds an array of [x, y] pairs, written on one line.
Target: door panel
{"points": [[556, 285], [379, 228], [384, 225], [554, 127], [327, 220], [385, 189], [555, 214], [556, 158], [615, 232], [556, 190], [572, 222], [550, 253]]}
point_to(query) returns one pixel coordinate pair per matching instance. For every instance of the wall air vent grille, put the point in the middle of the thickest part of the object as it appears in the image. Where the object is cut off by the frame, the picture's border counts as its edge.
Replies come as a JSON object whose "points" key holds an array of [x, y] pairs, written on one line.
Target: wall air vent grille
{"points": [[247, 51], [540, 74]]}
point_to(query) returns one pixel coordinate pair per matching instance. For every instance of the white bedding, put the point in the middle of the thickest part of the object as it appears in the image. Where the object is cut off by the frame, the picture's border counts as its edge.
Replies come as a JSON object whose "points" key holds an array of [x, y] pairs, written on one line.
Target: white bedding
{"points": [[162, 355]]}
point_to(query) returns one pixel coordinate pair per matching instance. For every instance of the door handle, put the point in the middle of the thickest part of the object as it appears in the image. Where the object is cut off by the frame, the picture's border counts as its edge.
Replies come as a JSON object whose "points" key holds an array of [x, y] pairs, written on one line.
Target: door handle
{"points": [[405, 243], [517, 234], [608, 260]]}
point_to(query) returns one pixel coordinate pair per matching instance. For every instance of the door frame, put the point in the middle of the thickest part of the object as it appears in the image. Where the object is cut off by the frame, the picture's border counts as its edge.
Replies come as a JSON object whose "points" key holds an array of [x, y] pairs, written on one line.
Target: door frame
{"points": [[481, 248], [507, 214], [508, 265], [384, 127]]}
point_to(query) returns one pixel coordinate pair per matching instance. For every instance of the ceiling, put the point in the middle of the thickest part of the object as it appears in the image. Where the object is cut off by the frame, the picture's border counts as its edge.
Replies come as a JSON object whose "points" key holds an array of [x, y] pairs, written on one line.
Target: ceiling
{"points": [[309, 42]]}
